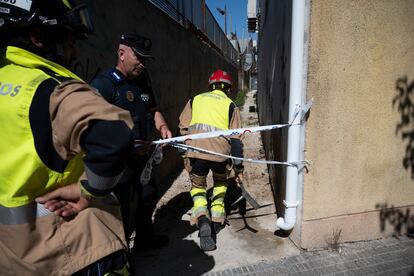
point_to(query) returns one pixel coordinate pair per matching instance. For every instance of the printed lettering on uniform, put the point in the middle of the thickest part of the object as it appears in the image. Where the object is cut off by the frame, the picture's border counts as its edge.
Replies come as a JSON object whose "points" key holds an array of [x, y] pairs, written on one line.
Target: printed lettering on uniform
{"points": [[23, 4], [211, 95], [145, 97], [9, 89], [16, 90]]}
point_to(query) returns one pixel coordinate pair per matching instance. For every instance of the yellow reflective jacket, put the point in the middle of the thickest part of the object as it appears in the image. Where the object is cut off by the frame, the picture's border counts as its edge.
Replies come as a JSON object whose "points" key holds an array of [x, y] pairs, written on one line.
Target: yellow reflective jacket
{"points": [[23, 175], [211, 109], [209, 112]]}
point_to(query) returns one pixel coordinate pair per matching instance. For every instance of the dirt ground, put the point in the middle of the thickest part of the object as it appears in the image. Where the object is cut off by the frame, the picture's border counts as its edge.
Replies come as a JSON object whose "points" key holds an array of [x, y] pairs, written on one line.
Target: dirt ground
{"points": [[249, 237]]}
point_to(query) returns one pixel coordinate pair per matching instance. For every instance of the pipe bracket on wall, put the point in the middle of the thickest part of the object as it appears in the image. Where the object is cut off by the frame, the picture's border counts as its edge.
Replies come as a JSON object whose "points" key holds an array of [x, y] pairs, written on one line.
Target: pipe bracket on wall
{"points": [[290, 205]]}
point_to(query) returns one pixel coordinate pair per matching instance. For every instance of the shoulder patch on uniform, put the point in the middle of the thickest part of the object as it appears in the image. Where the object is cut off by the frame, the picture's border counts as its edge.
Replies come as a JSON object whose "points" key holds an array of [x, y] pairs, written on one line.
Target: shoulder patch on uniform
{"points": [[116, 76]]}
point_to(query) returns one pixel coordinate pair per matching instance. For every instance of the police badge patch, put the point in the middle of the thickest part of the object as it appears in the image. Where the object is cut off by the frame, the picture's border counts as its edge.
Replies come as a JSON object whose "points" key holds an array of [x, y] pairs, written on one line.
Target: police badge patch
{"points": [[130, 96], [145, 97]]}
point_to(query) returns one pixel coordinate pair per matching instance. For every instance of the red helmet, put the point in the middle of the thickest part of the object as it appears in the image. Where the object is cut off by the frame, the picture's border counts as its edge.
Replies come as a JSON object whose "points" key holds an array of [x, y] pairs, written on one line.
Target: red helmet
{"points": [[220, 76]]}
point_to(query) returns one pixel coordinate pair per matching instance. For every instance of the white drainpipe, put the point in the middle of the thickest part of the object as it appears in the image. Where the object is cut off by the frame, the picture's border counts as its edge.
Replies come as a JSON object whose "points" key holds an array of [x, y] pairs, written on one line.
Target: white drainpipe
{"points": [[295, 98]]}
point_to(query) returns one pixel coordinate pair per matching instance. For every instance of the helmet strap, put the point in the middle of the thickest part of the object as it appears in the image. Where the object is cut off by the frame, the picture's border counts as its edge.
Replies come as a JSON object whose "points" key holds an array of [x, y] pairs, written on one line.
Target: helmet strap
{"points": [[54, 52]]}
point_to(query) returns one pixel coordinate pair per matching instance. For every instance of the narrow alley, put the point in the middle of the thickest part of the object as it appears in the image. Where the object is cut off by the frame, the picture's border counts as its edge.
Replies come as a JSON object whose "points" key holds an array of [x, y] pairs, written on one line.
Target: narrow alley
{"points": [[248, 245], [248, 239]]}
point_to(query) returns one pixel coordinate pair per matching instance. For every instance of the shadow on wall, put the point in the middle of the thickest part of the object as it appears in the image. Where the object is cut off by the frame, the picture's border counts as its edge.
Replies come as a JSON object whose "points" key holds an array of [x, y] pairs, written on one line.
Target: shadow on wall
{"points": [[401, 221], [404, 101]]}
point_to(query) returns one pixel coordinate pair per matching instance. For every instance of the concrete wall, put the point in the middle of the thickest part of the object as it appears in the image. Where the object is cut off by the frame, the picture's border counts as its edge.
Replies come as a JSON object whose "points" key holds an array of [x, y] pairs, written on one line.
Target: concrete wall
{"points": [[181, 69], [358, 50], [359, 185], [183, 63]]}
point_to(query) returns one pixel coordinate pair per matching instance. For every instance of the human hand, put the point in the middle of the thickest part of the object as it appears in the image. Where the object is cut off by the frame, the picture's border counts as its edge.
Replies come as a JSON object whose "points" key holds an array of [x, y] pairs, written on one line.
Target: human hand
{"points": [[165, 132], [65, 201], [239, 177]]}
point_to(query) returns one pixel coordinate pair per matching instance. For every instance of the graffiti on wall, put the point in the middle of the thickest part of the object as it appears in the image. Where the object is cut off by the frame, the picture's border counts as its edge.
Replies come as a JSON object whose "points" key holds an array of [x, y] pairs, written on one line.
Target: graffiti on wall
{"points": [[404, 102], [402, 221]]}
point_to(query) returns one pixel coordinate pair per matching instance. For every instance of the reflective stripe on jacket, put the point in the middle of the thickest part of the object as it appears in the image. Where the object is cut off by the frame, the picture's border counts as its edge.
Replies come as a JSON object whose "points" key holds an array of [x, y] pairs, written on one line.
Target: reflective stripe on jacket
{"points": [[34, 241], [23, 175]]}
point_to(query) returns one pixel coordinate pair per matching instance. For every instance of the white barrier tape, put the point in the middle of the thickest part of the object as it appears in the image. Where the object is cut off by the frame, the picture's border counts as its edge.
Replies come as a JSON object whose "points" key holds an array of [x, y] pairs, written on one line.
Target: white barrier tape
{"points": [[229, 132], [298, 113], [156, 157], [157, 154], [305, 109], [295, 114], [296, 164]]}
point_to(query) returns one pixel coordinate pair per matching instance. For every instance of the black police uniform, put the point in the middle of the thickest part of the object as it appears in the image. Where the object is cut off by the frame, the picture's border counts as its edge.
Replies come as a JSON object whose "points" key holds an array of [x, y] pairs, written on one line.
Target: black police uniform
{"points": [[137, 97]]}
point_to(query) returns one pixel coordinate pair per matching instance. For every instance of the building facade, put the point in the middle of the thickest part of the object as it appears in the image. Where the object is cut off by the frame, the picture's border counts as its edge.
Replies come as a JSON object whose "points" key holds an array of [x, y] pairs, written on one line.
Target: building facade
{"points": [[358, 67]]}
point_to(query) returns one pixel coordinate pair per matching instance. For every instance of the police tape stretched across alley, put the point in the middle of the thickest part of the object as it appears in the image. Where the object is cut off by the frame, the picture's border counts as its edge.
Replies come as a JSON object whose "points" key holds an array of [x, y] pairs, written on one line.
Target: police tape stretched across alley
{"points": [[178, 142]]}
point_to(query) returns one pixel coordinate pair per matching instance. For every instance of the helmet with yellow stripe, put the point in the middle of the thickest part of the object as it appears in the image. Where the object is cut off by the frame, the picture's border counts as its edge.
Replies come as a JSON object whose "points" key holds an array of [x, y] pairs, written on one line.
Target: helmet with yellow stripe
{"points": [[220, 80]]}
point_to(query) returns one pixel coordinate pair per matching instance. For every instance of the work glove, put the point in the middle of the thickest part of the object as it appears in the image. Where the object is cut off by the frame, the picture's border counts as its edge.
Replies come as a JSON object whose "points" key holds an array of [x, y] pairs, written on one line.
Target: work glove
{"points": [[238, 172], [181, 151]]}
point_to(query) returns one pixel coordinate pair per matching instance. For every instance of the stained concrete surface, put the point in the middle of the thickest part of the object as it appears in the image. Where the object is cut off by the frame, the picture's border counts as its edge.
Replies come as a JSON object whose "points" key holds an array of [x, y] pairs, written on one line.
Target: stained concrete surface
{"points": [[248, 239], [386, 257]]}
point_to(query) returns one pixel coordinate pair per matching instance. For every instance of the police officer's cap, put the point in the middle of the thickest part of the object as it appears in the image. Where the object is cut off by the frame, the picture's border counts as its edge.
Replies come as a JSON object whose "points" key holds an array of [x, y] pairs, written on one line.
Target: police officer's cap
{"points": [[139, 44]]}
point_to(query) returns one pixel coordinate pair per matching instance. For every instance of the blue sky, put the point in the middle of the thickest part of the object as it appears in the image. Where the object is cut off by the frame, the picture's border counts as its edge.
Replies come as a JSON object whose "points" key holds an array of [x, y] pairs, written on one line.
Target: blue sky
{"points": [[237, 9]]}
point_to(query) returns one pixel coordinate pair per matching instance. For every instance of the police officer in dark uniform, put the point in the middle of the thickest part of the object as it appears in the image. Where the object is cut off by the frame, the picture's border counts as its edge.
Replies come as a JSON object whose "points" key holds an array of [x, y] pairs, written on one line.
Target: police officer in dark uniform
{"points": [[127, 85]]}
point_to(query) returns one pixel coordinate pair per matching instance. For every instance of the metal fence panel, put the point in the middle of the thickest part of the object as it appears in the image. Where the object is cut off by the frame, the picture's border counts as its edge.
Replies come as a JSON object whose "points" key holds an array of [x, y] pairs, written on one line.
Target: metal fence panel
{"points": [[184, 11]]}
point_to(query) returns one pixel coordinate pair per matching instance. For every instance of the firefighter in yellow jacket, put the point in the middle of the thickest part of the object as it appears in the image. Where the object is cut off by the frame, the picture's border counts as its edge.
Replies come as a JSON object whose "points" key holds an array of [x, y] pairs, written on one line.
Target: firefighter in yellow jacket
{"points": [[53, 126], [211, 111]]}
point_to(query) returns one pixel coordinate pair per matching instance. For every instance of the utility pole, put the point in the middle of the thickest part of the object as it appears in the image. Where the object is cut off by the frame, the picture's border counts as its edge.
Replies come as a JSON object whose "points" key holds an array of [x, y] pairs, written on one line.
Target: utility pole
{"points": [[231, 23], [225, 20], [224, 13]]}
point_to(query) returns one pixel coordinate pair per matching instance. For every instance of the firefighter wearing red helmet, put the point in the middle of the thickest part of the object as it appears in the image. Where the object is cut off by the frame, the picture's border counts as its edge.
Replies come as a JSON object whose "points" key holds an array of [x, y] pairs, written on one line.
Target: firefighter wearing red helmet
{"points": [[54, 126], [206, 112], [220, 76]]}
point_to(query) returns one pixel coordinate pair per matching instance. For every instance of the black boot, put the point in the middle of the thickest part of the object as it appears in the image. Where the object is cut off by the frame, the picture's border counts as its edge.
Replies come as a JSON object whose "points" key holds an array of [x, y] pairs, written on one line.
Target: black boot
{"points": [[207, 241], [217, 226]]}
